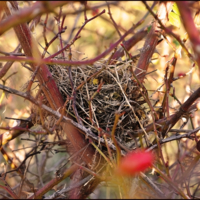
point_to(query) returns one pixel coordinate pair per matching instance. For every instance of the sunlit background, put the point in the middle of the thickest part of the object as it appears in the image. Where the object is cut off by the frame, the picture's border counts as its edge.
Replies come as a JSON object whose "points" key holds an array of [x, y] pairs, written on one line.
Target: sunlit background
{"points": [[95, 38]]}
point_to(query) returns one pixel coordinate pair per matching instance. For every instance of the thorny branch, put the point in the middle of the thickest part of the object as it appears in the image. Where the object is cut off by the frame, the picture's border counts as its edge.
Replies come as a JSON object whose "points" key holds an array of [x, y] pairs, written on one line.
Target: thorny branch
{"points": [[87, 132], [151, 41], [27, 14], [175, 137], [86, 139], [66, 62]]}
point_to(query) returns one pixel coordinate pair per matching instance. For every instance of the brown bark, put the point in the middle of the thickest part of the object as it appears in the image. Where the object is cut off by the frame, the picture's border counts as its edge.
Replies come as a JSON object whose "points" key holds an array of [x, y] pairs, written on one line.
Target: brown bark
{"points": [[182, 110], [152, 40], [128, 45], [191, 29]]}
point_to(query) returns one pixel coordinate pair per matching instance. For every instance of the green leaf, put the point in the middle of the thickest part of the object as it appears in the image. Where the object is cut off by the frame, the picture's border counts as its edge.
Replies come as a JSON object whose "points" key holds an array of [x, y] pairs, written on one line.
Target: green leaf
{"points": [[176, 42], [149, 28], [174, 16]]}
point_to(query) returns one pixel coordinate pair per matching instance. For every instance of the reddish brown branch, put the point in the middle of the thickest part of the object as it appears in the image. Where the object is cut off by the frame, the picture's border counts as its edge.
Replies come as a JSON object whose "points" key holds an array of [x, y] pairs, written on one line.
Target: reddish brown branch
{"points": [[29, 46], [77, 35], [52, 40], [168, 31], [12, 194], [161, 122], [68, 62], [183, 110], [44, 30], [27, 14], [15, 131], [128, 45], [69, 121], [191, 29], [113, 21], [7, 66], [52, 93], [168, 82], [60, 28], [152, 40], [53, 182]]}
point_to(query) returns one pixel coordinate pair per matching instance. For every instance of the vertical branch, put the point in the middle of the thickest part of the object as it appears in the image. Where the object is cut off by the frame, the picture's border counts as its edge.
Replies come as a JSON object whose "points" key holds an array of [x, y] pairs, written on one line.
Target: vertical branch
{"points": [[48, 85], [77, 34], [114, 23], [44, 30], [191, 29], [183, 109], [152, 40], [128, 45], [29, 46], [59, 31]]}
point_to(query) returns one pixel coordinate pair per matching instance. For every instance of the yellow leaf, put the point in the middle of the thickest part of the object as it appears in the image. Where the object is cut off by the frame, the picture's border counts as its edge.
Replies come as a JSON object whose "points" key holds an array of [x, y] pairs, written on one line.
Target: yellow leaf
{"points": [[95, 81]]}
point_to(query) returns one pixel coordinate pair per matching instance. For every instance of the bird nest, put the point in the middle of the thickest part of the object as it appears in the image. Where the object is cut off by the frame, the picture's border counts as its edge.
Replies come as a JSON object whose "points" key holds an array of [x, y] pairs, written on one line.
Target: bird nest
{"points": [[96, 93]]}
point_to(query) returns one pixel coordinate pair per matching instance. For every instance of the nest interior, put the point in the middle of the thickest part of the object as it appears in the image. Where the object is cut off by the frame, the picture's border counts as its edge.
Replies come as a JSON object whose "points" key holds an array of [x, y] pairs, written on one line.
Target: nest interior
{"points": [[96, 93]]}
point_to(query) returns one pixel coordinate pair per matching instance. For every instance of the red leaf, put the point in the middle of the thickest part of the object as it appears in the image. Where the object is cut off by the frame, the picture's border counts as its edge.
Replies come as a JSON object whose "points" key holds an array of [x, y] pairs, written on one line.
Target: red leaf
{"points": [[135, 162]]}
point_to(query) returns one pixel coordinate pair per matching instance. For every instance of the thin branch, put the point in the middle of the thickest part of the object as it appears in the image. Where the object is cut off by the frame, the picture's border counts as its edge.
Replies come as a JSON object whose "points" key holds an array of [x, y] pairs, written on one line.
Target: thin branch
{"points": [[84, 130], [113, 21], [129, 44], [150, 182], [191, 29], [182, 110], [15, 131], [66, 62], [175, 137], [27, 14], [8, 65], [54, 182], [169, 31], [65, 190], [151, 41], [76, 36]]}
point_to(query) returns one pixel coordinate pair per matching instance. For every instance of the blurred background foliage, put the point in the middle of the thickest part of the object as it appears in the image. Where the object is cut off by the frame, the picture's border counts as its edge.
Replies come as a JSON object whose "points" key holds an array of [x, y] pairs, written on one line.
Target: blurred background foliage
{"points": [[95, 38]]}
